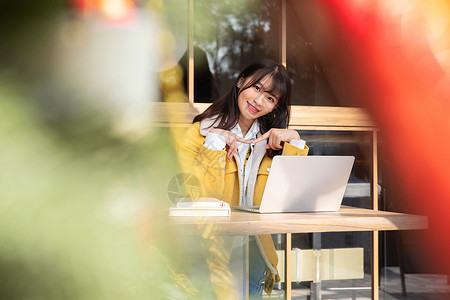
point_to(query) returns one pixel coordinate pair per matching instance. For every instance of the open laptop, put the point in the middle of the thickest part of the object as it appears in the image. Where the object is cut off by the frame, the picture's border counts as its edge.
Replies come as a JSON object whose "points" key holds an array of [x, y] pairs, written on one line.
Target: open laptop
{"points": [[305, 184]]}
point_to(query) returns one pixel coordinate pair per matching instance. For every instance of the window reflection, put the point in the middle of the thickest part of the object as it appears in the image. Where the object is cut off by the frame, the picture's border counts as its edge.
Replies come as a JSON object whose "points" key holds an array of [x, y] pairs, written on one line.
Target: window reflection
{"points": [[311, 77], [358, 194], [232, 34], [205, 88], [176, 19], [358, 144]]}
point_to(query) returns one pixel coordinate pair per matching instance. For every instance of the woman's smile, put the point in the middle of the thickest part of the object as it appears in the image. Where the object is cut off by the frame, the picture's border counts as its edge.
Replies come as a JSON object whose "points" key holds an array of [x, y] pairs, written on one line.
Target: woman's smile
{"points": [[252, 108]]}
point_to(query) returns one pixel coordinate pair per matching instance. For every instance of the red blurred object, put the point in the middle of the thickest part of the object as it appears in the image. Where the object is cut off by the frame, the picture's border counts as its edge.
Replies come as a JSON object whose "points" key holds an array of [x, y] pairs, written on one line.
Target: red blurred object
{"points": [[388, 63]]}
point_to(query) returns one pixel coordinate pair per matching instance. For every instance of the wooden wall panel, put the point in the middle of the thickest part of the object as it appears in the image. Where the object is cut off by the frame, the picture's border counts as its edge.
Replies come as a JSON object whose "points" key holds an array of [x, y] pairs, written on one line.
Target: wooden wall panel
{"points": [[302, 117]]}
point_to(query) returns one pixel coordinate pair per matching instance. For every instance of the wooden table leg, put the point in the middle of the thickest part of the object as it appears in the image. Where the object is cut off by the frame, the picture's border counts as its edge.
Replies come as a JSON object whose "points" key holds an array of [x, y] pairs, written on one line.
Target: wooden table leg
{"points": [[316, 285], [287, 267], [375, 271], [247, 267]]}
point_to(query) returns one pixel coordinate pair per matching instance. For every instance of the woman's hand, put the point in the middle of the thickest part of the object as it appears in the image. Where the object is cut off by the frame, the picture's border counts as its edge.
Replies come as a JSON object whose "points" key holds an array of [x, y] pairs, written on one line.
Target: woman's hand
{"points": [[231, 140], [277, 136]]}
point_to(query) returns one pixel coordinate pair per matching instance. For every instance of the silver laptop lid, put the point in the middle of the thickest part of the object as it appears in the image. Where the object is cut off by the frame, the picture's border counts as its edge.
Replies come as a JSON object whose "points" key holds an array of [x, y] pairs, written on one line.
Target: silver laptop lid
{"points": [[306, 183]]}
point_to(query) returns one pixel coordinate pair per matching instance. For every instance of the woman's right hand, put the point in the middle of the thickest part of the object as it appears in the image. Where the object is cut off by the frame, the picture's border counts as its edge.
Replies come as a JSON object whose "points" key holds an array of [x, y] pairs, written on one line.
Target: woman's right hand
{"points": [[231, 139]]}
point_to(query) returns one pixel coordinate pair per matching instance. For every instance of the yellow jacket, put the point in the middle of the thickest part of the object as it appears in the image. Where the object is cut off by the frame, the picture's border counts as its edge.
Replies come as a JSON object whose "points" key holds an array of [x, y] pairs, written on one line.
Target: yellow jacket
{"points": [[220, 177]]}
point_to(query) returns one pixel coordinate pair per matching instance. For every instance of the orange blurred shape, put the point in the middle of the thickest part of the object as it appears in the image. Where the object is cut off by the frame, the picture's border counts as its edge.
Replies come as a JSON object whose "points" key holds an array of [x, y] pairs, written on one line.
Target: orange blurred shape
{"points": [[112, 10]]}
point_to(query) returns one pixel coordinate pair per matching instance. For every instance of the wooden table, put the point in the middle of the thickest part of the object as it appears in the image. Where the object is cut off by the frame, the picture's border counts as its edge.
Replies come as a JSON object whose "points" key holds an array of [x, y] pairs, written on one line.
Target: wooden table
{"points": [[346, 219]]}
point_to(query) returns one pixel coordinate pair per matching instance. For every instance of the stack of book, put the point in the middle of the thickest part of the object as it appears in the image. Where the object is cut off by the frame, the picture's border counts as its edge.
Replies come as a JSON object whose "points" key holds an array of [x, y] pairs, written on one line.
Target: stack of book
{"points": [[200, 207]]}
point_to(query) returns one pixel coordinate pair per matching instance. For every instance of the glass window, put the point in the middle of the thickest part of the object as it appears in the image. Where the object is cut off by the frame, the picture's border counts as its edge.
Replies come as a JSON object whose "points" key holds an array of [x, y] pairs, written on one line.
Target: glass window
{"points": [[353, 247], [311, 77], [406, 268], [230, 34], [357, 144], [175, 16]]}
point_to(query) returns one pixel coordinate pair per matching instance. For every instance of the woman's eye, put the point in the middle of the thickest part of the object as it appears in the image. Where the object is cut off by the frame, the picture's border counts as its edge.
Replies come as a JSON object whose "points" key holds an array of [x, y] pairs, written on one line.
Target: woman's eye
{"points": [[257, 88], [271, 99]]}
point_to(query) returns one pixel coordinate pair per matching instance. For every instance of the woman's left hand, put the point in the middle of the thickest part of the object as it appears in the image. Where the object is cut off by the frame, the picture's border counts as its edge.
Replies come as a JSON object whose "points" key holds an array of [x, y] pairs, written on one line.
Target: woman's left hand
{"points": [[277, 136]]}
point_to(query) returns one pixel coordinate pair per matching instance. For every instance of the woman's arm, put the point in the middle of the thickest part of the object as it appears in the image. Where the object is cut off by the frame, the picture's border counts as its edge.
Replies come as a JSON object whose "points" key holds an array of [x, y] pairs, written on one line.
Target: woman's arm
{"points": [[290, 149], [287, 139]]}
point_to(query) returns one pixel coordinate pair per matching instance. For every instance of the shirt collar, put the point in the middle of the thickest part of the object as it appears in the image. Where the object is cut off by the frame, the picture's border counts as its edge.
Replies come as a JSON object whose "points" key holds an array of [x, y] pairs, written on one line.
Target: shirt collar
{"points": [[252, 132]]}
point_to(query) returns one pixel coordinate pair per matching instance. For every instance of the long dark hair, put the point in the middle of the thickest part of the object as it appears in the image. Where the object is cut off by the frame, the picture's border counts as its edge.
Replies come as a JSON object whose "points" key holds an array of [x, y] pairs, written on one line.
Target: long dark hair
{"points": [[227, 110]]}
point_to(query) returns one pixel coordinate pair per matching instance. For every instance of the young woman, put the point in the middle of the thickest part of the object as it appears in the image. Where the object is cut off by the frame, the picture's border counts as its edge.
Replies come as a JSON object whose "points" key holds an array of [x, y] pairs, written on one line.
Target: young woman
{"points": [[230, 147]]}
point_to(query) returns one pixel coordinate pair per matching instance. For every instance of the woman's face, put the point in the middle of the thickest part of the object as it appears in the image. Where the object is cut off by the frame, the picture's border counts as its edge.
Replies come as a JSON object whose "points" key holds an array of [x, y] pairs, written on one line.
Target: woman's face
{"points": [[255, 102]]}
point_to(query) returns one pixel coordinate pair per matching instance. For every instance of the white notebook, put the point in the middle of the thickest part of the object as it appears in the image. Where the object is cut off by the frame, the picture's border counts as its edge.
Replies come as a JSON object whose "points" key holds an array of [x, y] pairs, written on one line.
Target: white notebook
{"points": [[200, 207]]}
